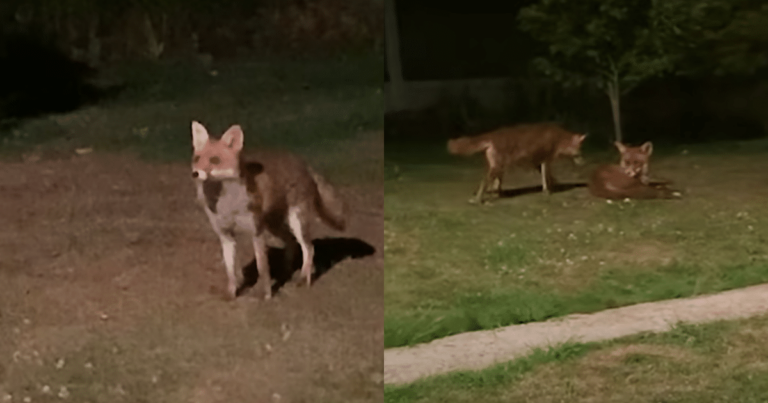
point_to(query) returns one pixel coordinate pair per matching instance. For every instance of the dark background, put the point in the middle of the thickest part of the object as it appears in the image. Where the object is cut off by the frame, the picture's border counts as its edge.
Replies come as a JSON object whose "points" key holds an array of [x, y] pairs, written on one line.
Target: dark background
{"points": [[53, 52], [481, 39]]}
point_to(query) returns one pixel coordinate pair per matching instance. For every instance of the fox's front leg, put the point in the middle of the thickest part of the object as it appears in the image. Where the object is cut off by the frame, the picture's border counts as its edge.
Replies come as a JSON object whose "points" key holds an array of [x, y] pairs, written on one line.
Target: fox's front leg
{"points": [[547, 180], [228, 252], [262, 264]]}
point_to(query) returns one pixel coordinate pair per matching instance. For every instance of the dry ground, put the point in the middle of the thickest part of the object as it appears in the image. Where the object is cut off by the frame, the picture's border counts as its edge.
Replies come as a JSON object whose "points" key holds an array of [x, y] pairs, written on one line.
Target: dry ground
{"points": [[112, 285]]}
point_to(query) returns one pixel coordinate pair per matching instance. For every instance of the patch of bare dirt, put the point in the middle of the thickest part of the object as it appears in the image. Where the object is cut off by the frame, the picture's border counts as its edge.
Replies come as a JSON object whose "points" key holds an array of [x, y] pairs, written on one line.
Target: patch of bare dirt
{"points": [[109, 249], [645, 372]]}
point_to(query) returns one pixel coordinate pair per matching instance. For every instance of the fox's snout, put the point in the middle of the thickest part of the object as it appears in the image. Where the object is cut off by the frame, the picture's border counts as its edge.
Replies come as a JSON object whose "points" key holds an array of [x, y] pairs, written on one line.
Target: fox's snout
{"points": [[199, 174], [214, 174]]}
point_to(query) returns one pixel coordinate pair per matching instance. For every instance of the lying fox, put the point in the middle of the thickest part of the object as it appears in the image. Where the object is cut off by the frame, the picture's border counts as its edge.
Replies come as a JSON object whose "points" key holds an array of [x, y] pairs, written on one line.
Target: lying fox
{"points": [[274, 191], [530, 145], [634, 160], [629, 179]]}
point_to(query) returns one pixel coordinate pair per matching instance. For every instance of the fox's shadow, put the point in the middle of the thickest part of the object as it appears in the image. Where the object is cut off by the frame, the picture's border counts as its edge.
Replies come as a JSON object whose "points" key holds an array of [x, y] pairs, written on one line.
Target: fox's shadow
{"points": [[558, 188], [328, 252]]}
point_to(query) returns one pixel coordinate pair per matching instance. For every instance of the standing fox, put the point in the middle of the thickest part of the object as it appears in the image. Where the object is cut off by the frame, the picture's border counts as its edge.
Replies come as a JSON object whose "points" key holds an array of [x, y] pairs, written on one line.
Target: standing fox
{"points": [[629, 179], [275, 191], [529, 145]]}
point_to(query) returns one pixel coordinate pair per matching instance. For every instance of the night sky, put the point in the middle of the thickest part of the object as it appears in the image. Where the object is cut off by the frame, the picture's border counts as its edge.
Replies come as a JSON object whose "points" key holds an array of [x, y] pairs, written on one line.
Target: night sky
{"points": [[442, 41]]}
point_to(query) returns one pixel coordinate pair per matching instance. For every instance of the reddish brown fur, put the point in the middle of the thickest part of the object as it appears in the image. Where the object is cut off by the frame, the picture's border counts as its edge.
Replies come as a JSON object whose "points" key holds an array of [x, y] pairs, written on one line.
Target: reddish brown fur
{"points": [[248, 193], [533, 146], [277, 179], [612, 182]]}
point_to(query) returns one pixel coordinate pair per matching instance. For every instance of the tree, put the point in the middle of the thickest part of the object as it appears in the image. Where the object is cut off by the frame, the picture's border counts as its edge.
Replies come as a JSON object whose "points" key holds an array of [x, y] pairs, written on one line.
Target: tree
{"points": [[720, 37], [394, 62], [610, 44]]}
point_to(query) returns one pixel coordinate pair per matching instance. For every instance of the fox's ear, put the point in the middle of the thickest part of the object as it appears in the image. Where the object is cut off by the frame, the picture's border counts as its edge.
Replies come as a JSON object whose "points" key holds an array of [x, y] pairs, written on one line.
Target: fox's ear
{"points": [[582, 137], [647, 147], [620, 146], [233, 137], [199, 136]]}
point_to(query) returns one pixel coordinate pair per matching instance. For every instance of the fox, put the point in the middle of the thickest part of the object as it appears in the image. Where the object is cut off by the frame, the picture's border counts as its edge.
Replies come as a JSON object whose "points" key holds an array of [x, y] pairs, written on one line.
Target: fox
{"points": [[265, 192], [534, 145], [629, 179], [634, 160]]}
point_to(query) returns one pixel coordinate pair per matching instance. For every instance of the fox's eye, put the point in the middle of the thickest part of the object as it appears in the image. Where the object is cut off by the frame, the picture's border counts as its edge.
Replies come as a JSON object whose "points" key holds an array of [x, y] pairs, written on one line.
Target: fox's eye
{"points": [[215, 160], [196, 158]]}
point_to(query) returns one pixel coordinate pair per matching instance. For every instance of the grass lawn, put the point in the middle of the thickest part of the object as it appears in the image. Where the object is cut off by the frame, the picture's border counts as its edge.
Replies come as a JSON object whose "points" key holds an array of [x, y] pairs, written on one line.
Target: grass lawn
{"points": [[307, 106], [715, 362], [454, 267]]}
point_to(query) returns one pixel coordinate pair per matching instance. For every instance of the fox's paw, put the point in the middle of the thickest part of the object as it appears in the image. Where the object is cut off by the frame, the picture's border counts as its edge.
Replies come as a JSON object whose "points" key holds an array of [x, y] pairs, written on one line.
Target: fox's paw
{"points": [[297, 278], [232, 291]]}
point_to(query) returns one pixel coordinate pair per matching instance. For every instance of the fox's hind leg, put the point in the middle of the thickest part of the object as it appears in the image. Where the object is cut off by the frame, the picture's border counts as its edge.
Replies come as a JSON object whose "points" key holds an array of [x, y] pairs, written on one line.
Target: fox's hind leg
{"points": [[290, 249], [491, 181], [297, 221], [477, 198], [262, 263]]}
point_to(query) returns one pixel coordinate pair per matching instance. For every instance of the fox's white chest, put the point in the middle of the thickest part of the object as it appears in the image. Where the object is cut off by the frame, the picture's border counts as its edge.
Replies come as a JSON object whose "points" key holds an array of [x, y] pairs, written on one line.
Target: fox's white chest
{"points": [[226, 204]]}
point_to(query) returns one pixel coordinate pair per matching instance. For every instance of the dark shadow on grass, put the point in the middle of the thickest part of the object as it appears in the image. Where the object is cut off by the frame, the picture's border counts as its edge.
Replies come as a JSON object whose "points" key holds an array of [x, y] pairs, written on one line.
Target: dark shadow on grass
{"points": [[560, 187], [328, 252]]}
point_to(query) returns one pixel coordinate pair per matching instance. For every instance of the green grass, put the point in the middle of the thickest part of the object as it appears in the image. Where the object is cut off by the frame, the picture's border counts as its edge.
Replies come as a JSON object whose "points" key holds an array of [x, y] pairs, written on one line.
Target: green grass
{"points": [[479, 382], [453, 267], [720, 361], [299, 105]]}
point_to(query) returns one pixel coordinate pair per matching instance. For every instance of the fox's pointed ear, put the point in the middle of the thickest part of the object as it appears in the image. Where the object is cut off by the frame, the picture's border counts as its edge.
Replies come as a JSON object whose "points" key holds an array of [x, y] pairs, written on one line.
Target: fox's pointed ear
{"points": [[233, 137], [582, 137], [620, 146], [647, 147], [199, 135]]}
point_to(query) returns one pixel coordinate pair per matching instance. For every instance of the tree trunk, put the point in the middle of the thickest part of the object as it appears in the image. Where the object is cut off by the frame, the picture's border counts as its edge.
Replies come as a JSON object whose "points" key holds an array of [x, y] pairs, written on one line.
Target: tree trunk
{"points": [[394, 65], [615, 96]]}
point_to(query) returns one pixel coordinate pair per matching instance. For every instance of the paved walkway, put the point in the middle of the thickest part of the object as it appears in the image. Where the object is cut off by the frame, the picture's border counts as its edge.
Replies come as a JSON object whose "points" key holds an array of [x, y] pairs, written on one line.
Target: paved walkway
{"points": [[476, 350]]}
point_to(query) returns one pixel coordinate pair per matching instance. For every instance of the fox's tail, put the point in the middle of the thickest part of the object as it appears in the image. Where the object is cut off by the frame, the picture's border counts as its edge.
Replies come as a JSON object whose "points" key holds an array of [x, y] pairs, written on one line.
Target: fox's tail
{"points": [[331, 208], [466, 145]]}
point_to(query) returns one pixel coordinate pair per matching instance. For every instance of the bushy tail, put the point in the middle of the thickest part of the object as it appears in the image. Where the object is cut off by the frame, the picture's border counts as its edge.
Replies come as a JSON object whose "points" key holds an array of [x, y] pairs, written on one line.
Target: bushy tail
{"points": [[466, 145], [331, 208]]}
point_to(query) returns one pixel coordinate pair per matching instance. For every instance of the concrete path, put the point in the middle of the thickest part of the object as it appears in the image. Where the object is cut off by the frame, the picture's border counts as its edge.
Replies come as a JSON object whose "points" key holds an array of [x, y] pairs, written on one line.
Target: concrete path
{"points": [[477, 350]]}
